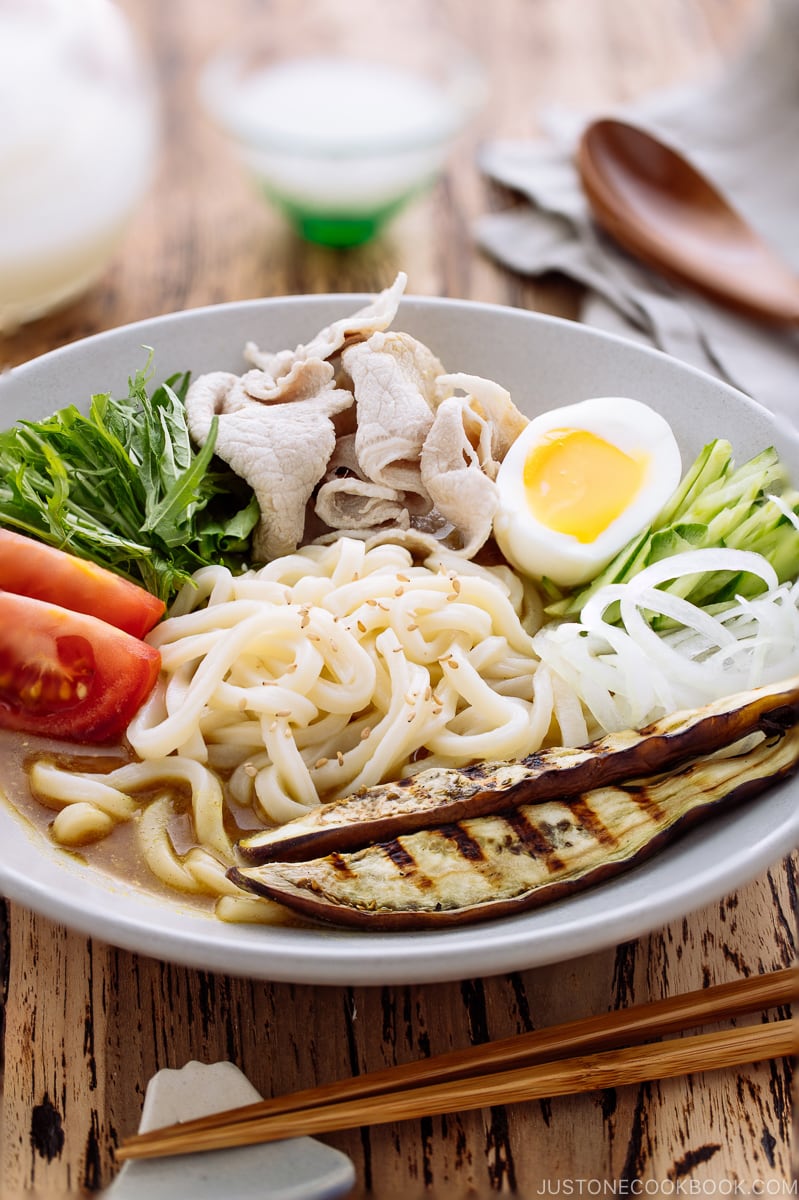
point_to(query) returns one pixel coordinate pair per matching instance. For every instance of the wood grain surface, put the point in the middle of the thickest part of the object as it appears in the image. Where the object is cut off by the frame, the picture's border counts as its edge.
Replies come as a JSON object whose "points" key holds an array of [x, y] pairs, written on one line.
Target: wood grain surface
{"points": [[85, 1024]]}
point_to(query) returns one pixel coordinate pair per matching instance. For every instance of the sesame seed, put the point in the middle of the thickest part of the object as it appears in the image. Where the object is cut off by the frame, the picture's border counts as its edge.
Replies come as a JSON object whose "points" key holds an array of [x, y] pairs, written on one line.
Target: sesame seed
{"points": [[340, 758], [365, 733], [321, 762]]}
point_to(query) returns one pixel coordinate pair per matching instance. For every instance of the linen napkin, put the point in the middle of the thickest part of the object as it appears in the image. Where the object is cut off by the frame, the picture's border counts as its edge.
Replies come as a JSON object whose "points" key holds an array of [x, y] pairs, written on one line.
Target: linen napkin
{"points": [[741, 128]]}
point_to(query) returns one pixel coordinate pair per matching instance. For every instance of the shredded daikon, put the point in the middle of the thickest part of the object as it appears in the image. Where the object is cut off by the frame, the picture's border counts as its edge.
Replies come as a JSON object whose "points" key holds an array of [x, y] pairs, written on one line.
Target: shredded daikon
{"points": [[627, 674]]}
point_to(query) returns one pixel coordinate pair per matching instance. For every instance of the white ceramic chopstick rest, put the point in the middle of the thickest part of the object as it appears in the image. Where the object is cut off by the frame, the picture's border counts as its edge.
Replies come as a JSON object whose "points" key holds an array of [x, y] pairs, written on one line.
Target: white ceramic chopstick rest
{"points": [[297, 1169]]}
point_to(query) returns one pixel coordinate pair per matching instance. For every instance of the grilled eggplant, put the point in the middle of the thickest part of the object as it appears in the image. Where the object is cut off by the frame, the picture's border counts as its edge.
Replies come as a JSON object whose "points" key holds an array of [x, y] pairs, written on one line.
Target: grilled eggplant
{"points": [[487, 867], [439, 796]]}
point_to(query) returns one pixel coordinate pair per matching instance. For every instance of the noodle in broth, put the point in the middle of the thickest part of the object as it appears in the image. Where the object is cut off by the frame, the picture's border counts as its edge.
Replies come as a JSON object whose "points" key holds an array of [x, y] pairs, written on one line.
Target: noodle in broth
{"points": [[330, 669]]}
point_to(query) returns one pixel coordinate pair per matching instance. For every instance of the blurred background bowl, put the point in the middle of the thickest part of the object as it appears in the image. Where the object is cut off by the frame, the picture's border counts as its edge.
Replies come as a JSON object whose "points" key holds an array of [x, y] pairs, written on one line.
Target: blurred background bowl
{"points": [[341, 124]]}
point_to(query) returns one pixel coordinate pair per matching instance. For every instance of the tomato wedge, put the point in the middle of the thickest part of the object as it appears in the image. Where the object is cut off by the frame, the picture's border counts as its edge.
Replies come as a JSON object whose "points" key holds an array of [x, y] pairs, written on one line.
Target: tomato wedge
{"points": [[31, 568], [69, 675]]}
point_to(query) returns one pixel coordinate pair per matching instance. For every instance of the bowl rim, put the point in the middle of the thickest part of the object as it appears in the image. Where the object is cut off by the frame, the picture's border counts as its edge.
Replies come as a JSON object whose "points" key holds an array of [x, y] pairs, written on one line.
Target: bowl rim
{"points": [[298, 299]]}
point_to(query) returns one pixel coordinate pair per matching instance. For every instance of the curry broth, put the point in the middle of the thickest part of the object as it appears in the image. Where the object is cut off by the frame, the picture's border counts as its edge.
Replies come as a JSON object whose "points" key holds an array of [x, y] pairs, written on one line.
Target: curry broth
{"points": [[118, 853]]}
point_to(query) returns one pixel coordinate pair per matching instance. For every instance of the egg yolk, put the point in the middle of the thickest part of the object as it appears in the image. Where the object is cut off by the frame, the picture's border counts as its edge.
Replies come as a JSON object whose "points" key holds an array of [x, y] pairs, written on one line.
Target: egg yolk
{"points": [[577, 483]]}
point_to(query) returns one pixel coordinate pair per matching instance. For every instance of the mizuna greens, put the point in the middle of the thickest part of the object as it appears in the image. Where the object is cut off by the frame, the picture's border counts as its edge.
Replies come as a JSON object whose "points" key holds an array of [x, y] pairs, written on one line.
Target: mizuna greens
{"points": [[123, 487]]}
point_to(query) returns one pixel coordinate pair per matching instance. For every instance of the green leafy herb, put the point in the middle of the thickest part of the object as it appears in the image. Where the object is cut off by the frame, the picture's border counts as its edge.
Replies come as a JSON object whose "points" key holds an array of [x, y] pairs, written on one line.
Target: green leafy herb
{"points": [[124, 487], [716, 504]]}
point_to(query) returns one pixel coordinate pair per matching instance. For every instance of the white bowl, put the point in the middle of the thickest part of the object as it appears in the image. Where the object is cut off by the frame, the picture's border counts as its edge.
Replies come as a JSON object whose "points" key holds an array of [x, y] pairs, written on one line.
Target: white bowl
{"points": [[544, 362]]}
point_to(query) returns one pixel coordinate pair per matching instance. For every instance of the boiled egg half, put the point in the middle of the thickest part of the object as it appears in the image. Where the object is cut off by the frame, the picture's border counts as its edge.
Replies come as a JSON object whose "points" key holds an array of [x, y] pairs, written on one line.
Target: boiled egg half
{"points": [[579, 482]]}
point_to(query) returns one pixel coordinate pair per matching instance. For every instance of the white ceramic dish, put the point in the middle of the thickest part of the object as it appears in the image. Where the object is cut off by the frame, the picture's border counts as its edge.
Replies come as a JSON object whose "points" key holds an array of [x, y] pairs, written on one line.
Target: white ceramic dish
{"points": [[544, 362], [299, 1168]]}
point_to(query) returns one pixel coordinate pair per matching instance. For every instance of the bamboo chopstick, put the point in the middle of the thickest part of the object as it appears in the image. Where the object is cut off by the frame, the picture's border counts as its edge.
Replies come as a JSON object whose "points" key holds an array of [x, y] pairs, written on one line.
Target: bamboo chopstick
{"points": [[658, 1060], [469, 1078]]}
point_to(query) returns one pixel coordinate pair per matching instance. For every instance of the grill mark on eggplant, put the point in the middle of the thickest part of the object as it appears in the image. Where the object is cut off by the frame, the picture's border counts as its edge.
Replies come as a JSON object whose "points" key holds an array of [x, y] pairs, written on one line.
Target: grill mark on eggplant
{"points": [[340, 864], [468, 847], [398, 854], [533, 838], [590, 821], [401, 856], [644, 799], [442, 795], [509, 878]]}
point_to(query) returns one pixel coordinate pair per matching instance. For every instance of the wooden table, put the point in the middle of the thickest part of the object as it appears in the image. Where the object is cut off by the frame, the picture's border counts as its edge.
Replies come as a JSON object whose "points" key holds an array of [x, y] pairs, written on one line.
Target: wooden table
{"points": [[86, 1025]]}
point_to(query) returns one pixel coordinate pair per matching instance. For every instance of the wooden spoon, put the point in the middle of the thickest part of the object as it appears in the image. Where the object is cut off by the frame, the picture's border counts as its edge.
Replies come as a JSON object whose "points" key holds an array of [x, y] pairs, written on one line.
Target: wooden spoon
{"points": [[664, 212]]}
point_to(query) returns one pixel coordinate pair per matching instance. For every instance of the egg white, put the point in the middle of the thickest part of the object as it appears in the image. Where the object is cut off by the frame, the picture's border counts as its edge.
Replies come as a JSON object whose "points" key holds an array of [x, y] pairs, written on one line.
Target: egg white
{"points": [[541, 552]]}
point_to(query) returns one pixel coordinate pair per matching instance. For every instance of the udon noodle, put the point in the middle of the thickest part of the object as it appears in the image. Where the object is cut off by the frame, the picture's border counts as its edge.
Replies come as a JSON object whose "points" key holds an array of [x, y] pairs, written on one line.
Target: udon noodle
{"points": [[330, 669]]}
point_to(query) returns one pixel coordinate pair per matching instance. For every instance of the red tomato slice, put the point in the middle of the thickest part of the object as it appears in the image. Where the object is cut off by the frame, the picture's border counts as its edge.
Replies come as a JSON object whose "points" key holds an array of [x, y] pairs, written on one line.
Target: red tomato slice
{"points": [[31, 568], [68, 675]]}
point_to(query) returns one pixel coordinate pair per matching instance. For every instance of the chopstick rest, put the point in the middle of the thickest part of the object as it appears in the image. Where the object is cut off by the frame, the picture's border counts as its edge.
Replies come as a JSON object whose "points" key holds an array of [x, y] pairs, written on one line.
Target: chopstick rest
{"points": [[596, 1056], [201, 1088]]}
